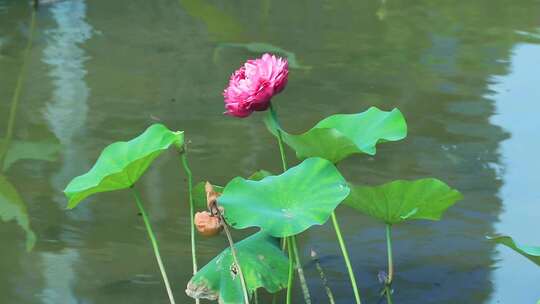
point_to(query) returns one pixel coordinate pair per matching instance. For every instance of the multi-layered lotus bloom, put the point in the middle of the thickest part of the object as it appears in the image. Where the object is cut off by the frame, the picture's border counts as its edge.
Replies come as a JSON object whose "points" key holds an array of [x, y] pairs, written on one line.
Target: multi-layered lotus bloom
{"points": [[253, 85]]}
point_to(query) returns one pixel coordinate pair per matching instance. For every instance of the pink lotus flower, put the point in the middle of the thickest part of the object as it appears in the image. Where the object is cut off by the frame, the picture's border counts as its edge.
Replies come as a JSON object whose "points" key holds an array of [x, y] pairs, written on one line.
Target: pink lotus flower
{"points": [[253, 85]]}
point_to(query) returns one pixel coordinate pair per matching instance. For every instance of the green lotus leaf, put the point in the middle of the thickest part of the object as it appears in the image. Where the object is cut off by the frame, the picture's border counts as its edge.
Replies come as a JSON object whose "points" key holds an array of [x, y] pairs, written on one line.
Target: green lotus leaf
{"points": [[122, 163], [403, 200], [32, 150], [12, 207], [199, 193], [338, 136], [263, 264], [530, 252], [285, 204]]}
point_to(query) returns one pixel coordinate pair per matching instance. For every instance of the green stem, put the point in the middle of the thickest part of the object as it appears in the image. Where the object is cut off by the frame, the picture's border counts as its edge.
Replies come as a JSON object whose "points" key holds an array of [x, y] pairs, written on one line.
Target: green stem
{"points": [[235, 257], [291, 271], [389, 250], [18, 89], [388, 292], [234, 254], [191, 212], [346, 257], [388, 283], [154, 242], [301, 276], [280, 141]]}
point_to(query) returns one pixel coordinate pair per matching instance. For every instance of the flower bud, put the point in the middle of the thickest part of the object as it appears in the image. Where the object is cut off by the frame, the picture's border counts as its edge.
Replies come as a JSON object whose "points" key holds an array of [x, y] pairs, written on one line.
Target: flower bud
{"points": [[206, 224]]}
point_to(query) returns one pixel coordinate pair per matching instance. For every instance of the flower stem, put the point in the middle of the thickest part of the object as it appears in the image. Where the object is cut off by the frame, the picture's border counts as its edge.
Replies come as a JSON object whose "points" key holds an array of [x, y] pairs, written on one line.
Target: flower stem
{"points": [[280, 140], [291, 271], [154, 242], [301, 276], [185, 164], [388, 283], [346, 257]]}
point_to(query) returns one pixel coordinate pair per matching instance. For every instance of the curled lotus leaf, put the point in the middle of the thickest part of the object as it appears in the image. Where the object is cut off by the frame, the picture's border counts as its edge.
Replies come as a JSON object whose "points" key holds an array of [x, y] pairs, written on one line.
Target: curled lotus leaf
{"points": [[338, 136], [286, 204], [530, 252], [121, 164], [263, 264], [403, 200]]}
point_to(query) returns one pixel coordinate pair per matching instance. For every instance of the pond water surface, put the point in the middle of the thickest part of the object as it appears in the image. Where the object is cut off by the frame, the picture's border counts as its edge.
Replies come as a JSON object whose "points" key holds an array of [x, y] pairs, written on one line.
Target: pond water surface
{"points": [[465, 75]]}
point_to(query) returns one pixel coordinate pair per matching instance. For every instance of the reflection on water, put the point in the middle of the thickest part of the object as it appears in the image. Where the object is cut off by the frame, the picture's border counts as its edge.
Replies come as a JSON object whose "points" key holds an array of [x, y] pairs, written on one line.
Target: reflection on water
{"points": [[221, 25], [67, 111], [66, 114], [59, 277], [12, 205], [439, 62], [260, 48], [517, 99]]}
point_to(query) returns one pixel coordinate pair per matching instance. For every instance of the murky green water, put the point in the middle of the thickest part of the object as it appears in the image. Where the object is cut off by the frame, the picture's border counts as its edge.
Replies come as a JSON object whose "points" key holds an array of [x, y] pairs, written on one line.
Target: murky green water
{"points": [[465, 74]]}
